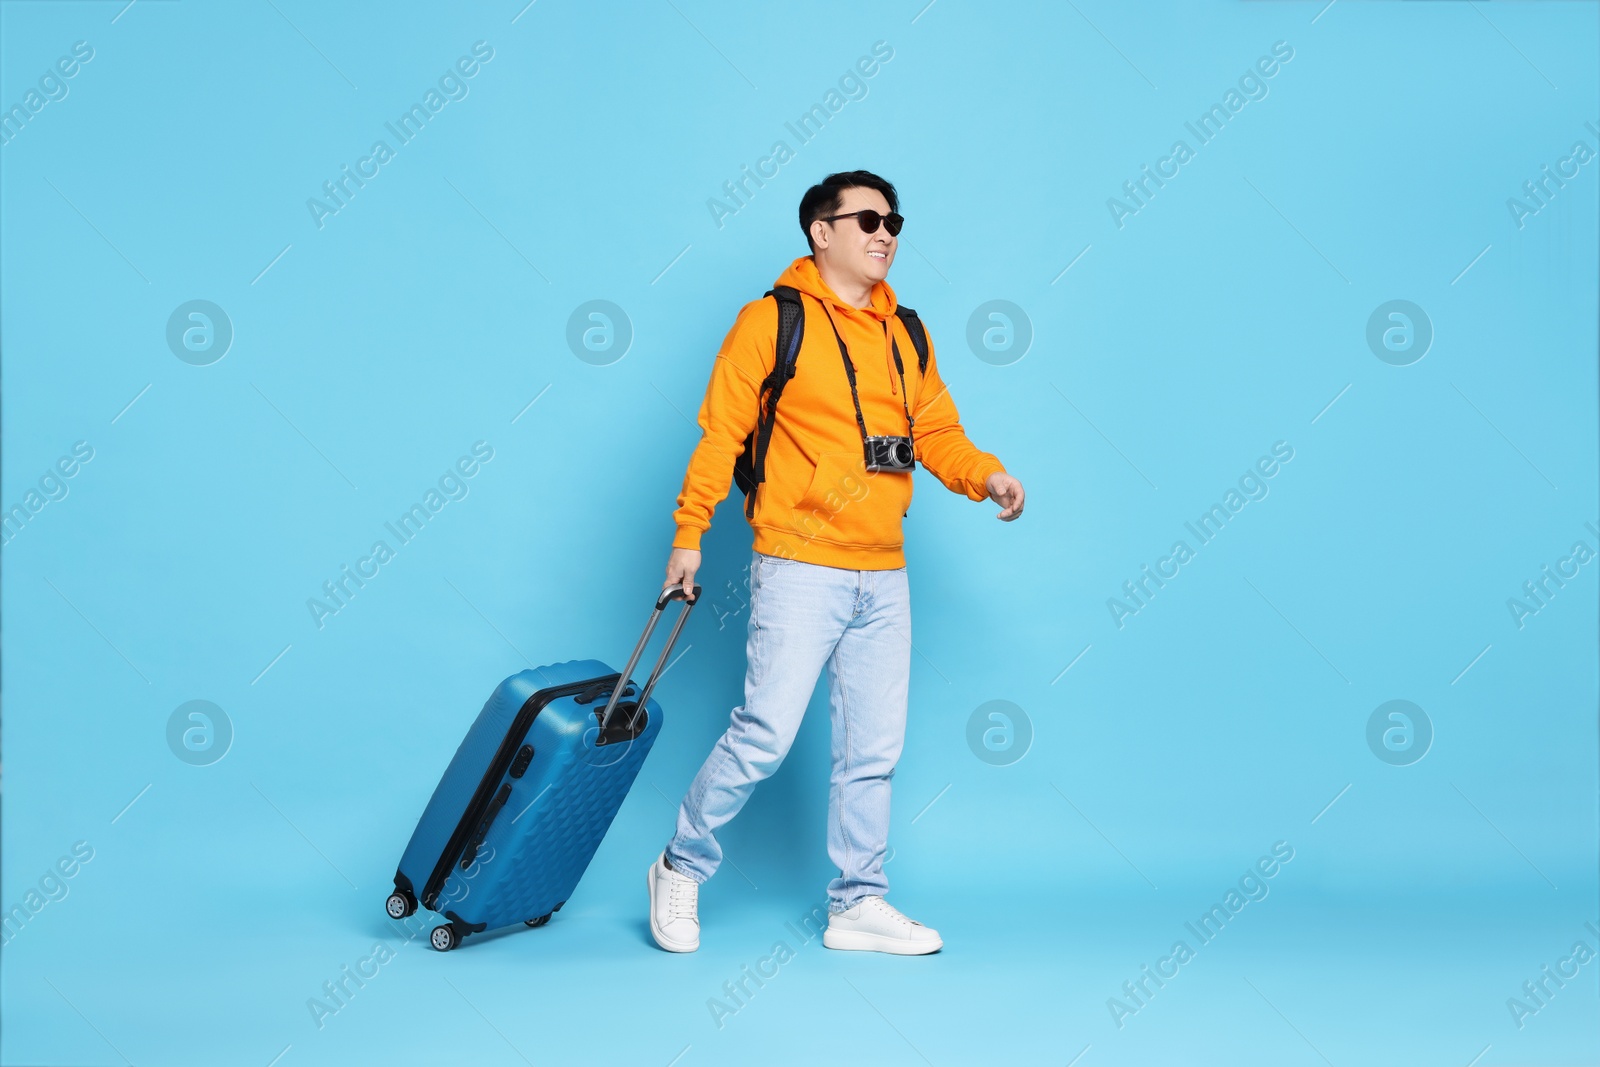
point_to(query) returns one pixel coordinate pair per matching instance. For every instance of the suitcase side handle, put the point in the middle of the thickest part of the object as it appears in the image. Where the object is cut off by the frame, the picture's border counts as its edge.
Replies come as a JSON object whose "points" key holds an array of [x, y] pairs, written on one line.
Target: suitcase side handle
{"points": [[667, 596]]}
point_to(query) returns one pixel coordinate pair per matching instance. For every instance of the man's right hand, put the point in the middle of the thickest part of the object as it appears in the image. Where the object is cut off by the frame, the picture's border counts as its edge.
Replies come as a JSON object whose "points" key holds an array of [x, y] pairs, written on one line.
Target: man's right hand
{"points": [[681, 566]]}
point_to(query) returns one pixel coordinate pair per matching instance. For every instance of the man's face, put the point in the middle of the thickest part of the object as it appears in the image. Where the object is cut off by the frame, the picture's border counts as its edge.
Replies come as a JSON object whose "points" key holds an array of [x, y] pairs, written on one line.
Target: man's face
{"points": [[848, 251]]}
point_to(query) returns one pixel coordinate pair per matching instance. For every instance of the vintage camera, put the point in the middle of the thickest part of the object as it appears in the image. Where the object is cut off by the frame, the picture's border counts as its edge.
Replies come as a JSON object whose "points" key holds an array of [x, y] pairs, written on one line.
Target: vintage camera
{"points": [[890, 454]]}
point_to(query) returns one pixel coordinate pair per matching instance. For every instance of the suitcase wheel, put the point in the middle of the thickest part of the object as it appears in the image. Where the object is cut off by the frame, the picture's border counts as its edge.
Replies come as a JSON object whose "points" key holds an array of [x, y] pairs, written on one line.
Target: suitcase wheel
{"points": [[444, 938], [540, 921], [400, 904]]}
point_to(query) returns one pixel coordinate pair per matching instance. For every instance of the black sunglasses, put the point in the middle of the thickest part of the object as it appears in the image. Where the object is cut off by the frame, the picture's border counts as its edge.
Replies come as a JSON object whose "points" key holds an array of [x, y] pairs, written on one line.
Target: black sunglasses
{"points": [[869, 219]]}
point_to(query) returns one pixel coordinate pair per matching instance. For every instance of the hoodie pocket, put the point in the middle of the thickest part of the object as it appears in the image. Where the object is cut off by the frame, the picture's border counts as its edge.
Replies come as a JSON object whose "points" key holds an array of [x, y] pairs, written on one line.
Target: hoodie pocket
{"points": [[847, 504]]}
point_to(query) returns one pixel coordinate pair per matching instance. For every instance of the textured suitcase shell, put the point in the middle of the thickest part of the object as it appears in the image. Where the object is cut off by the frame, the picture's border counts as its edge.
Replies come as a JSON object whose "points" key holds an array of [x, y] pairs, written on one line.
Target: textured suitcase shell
{"points": [[556, 813]]}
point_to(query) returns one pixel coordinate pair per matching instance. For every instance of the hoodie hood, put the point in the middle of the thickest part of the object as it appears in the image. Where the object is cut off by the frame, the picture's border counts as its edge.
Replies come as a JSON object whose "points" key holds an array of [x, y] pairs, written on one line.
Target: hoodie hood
{"points": [[863, 329], [803, 275]]}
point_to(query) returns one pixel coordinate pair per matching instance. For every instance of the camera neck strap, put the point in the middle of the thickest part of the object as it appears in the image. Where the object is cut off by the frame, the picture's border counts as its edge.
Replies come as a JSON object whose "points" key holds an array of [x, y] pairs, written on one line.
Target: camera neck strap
{"points": [[850, 373]]}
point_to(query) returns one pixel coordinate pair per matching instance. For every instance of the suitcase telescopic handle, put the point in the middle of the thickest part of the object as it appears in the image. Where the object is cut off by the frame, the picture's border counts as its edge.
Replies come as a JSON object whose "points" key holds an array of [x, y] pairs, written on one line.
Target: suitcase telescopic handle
{"points": [[667, 596]]}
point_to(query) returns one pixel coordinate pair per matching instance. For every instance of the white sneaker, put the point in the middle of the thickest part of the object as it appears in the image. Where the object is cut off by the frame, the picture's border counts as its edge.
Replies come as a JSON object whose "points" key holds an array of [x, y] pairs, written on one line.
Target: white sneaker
{"points": [[674, 908], [873, 925]]}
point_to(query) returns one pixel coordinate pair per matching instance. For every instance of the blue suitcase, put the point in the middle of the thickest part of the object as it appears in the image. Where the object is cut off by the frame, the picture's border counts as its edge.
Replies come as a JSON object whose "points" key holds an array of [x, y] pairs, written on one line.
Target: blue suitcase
{"points": [[531, 792]]}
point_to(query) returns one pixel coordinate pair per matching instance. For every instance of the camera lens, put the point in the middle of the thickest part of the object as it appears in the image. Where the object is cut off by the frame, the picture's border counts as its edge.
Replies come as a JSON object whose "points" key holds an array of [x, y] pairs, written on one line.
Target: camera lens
{"points": [[902, 453]]}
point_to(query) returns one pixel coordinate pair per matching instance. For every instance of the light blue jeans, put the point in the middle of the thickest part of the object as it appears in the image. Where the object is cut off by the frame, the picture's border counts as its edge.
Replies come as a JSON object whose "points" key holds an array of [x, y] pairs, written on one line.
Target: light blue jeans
{"points": [[801, 616]]}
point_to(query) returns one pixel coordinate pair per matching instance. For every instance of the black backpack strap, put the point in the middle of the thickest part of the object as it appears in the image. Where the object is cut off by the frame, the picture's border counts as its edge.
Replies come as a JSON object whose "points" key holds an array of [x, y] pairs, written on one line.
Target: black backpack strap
{"points": [[751, 468], [918, 334]]}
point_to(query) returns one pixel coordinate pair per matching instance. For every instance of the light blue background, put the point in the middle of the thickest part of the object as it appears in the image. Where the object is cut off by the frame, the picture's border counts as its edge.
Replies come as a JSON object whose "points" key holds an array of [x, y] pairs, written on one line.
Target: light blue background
{"points": [[1225, 316]]}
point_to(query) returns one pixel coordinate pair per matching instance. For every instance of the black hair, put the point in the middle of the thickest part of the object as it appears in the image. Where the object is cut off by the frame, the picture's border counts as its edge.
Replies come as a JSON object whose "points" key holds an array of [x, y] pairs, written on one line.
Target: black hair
{"points": [[824, 198]]}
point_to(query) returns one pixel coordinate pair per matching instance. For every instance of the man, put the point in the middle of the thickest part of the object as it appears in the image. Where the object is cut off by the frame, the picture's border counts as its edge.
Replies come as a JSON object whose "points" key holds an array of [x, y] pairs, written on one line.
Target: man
{"points": [[828, 577]]}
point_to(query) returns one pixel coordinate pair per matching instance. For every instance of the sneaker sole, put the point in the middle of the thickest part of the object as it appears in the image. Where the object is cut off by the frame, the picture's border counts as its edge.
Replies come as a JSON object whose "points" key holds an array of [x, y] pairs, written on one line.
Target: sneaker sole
{"points": [[655, 931], [856, 941]]}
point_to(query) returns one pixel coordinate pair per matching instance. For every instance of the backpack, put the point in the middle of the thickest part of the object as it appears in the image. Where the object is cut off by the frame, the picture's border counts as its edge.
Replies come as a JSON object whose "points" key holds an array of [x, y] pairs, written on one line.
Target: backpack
{"points": [[750, 469]]}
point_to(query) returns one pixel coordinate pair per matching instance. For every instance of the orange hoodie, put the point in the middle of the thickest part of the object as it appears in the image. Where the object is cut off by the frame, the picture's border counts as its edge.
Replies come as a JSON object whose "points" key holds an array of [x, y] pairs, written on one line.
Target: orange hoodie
{"points": [[819, 503]]}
